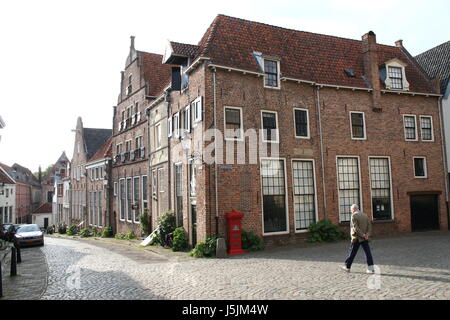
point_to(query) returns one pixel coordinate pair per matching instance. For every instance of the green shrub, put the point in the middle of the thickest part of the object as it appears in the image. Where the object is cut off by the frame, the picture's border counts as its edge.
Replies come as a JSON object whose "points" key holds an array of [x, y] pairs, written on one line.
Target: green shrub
{"points": [[143, 219], [180, 241], [125, 236], [72, 230], [166, 225], [251, 242], [107, 232], [325, 231], [50, 230], [205, 248], [62, 228], [85, 232]]}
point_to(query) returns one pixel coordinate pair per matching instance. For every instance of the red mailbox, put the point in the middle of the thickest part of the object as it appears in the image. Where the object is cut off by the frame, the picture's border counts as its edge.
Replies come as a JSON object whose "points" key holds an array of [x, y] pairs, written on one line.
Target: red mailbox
{"points": [[234, 232]]}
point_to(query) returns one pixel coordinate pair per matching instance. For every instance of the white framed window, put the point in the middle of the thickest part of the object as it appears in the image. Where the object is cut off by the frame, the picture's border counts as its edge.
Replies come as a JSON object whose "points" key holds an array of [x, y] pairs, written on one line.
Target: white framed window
{"points": [[349, 185], [122, 199], [197, 105], [269, 125], [115, 189], [119, 148], [127, 145], [381, 188], [176, 123], [144, 189], [187, 119], [169, 127], [426, 128], [129, 199], [139, 141], [420, 167], [301, 123], [136, 187], [358, 125], [100, 213], [234, 128], [158, 136], [409, 125], [271, 73], [395, 75], [274, 200], [304, 189]]}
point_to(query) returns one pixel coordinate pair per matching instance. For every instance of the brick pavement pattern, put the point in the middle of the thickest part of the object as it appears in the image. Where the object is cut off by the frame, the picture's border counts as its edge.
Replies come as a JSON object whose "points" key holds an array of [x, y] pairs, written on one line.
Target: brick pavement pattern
{"points": [[413, 266], [31, 280]]}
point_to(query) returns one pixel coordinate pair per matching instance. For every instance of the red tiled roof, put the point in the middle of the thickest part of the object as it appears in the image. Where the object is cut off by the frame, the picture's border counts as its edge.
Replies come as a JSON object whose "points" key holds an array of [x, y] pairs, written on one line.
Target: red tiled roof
{"points": [[5, 178], [185, 49], [45, 208], [104, 151], [307, 56], [156, 74]]}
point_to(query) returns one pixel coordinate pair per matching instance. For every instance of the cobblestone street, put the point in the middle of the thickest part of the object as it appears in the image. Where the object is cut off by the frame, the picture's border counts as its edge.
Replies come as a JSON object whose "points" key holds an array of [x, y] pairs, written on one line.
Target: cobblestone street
{"points": [[414, 266]]}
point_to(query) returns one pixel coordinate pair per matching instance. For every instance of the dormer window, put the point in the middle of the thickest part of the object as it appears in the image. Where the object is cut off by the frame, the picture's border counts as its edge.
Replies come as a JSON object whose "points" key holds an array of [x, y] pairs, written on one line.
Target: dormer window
{"points": [[271, 73], [394, 75]]}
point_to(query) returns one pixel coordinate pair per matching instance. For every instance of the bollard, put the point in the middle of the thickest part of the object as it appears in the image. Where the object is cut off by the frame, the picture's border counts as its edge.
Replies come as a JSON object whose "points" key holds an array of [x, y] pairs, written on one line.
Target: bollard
{"points": [[19, 255], [13, 262]]}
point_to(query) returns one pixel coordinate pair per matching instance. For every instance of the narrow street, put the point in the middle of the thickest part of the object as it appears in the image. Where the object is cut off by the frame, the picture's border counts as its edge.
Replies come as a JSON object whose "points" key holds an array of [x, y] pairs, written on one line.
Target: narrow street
{"points": [[414, 266]]}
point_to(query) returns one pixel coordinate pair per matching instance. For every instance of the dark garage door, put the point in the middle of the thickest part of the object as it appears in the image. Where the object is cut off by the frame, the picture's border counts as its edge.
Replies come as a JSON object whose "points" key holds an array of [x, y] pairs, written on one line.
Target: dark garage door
{"points": [[424, 212]]}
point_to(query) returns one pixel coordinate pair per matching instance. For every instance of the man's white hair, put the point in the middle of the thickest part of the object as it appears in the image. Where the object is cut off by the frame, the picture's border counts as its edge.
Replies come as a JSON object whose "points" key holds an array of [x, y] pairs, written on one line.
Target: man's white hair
{"points": [[354, 207]]}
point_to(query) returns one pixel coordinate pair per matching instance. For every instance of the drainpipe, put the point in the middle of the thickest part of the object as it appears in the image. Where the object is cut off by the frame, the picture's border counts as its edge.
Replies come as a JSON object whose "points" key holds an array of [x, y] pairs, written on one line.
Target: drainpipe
{"points": [[321, 151], [444, 158], [169, 164], [215, 155]]}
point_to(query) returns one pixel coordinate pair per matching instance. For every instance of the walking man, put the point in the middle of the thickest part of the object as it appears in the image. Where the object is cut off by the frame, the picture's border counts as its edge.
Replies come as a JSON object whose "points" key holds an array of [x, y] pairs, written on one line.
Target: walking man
{"points": [[360, 230]]}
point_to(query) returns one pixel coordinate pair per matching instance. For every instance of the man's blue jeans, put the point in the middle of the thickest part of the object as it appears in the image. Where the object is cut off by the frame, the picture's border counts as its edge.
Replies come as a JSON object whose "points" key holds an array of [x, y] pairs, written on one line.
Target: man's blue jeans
{"points": [[353, 250]]}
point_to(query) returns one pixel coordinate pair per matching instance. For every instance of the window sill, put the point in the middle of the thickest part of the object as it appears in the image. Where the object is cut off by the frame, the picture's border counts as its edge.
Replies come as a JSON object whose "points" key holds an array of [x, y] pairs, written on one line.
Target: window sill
{"points": [[383, 221]]}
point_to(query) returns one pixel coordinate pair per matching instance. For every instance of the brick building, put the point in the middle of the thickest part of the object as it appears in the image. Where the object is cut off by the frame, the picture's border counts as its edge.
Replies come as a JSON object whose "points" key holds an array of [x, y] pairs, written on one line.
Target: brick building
{"points": [[144, 77], [27, 192], [342, 121], [98, 170], [7, 198], [87, 142]]}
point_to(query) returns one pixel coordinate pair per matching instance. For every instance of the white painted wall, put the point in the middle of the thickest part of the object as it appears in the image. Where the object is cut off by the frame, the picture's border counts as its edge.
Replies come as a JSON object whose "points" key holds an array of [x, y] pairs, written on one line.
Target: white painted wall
{"points": [[446, 117], [8, 203], [38, 218]]}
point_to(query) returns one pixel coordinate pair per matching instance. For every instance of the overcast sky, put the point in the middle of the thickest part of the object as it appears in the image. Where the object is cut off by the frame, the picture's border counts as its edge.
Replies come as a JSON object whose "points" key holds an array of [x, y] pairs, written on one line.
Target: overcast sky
{"points": [[62, 59]]}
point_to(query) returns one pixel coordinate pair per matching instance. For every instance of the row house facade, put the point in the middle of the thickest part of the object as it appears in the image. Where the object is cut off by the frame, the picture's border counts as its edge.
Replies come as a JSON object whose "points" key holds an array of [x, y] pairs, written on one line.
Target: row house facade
{"points": [[88, 141], [7, 198], [323, 122], [27, 193], [143, 77], [52, 186]]}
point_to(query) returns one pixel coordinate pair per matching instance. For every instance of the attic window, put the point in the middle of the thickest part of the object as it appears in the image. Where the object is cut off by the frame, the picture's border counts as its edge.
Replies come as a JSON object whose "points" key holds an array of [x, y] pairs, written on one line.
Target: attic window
{"points": [[271, 73], [395, 74]]}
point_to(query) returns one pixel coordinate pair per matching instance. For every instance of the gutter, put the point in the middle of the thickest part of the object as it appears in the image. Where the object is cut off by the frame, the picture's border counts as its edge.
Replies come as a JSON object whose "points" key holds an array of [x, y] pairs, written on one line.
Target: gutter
{"points": [[215, 154], [321, 152]]}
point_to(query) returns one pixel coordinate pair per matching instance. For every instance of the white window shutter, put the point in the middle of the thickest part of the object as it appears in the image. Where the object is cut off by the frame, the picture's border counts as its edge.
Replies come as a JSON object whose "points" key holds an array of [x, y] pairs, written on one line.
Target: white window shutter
{"points": [[177, 125], [199, 108], [188, 119], [169, 127]]}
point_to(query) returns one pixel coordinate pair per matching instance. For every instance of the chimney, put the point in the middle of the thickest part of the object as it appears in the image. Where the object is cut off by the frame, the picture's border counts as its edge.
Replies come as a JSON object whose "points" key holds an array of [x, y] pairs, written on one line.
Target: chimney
{"points": [[40, 175], [132, 43], [371, 72], [399, 43]]}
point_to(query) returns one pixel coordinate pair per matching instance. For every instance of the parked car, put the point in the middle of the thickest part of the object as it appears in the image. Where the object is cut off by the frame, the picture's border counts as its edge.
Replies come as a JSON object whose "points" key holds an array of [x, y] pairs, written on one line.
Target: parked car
{"points": [[29, 234], [8, 231]]}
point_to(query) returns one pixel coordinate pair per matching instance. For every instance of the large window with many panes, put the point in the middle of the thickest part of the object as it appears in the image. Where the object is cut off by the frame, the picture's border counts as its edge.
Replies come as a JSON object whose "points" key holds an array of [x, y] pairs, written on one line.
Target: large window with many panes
{"points": [[274, 195], [426, 128], [304, 193], [122, 198], [136, 198], [380, 185], [348, 185], [409, 123], [129, 199], [395, 74], [271, 73]]}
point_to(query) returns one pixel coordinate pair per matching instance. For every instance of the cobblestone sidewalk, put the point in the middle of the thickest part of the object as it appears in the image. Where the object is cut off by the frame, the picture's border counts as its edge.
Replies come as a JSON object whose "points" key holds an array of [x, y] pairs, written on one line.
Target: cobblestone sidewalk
{"points": [[31, 280]]}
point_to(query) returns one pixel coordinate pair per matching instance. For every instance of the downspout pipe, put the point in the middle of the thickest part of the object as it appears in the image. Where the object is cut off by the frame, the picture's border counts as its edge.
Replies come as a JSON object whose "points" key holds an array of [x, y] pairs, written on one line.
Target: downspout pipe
{"points": [[444, 158], [215, 153], [321, 152]]}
